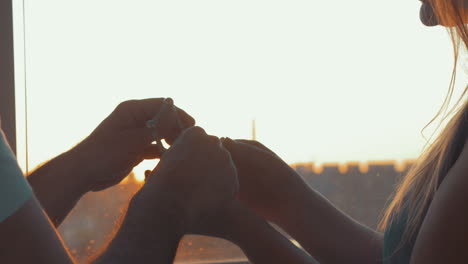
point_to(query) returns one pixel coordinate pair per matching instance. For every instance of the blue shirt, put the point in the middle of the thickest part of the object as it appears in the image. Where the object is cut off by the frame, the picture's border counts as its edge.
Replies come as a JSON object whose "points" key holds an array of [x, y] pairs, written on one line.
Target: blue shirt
{"points": [[14, 189], [393, 251]]}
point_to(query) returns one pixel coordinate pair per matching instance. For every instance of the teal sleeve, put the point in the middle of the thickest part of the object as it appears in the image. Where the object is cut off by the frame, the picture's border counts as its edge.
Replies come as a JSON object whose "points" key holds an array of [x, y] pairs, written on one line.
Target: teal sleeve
{"points": [[14, 189]]}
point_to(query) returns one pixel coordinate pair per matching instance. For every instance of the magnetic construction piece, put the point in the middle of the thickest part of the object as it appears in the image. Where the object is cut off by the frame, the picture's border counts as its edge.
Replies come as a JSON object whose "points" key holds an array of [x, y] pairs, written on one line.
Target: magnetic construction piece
{"points": [[165, 113]]}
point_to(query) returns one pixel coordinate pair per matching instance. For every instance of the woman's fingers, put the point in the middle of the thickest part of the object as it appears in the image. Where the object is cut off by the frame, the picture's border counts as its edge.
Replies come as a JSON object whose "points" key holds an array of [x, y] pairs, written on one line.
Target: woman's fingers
{"points": [[256, 144], [242, 151]]}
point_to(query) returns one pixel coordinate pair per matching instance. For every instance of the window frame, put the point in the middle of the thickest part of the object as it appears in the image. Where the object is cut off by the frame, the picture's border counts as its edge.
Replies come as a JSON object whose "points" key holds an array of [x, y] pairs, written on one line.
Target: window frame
{"points": [[7, 73], [7, 78]]}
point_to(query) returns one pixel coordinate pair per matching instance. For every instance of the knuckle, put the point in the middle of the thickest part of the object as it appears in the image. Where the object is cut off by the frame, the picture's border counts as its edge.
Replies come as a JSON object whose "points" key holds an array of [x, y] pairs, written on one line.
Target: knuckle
{"points": [[168, 101], [196, 131], [213, 140], [254, 142], [193, 134], [126, 105]]}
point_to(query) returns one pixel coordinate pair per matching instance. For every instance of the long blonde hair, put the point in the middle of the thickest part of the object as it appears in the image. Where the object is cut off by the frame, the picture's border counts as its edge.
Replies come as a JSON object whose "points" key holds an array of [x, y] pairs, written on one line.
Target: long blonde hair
{"points": [[415, 191]]}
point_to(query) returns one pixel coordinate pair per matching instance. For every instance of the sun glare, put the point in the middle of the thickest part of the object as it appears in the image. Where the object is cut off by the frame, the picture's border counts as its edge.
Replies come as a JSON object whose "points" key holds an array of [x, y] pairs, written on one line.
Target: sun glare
{"points": [[139, 170], [139, 177]]}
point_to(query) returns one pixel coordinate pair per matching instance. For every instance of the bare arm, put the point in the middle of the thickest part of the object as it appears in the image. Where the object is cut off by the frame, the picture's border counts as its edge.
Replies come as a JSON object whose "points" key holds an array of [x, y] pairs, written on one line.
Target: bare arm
{"points": [[158, 216], [59, 185], [260, 242], [328, 234], [443, 237], [144, 239], [275, 191], [194, 178], [29, 237]]}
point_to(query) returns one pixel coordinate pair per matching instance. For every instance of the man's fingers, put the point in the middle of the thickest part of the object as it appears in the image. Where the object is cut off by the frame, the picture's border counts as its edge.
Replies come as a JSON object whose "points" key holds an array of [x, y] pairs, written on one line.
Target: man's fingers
{"points": [[152, 152], [140, 110], [172, 134], [150, 107], [186, 120], [172, 123], [145, 109]]}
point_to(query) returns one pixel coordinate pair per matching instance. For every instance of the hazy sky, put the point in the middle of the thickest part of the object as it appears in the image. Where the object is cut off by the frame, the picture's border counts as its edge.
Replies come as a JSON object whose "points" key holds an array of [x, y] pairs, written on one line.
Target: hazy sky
{"points": [[325, 80]]}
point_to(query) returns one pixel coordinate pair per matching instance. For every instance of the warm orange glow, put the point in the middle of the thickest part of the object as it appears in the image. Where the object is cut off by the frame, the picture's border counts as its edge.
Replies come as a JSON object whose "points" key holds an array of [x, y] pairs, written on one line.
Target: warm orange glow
{"points": [[125, 180], [364, 167], [139, 177], [139, 171], [343, 167]]}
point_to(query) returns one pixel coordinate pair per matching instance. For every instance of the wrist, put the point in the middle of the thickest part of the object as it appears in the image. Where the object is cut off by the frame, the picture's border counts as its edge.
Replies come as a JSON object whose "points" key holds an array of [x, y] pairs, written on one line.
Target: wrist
{"points": [[146, 209], [240, 223], [293, 215], [150, 232], [292, 202], [77, 169]]}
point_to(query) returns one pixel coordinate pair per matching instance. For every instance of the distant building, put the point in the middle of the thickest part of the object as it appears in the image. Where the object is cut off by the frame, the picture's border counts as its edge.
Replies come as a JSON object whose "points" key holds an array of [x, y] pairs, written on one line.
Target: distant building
{"points": [[361, 190], [254, 130]]}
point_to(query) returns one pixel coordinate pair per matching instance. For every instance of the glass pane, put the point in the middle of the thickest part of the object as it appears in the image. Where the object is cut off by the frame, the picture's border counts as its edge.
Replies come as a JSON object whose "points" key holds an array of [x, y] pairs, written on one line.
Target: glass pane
{"points": [[327, 83]]}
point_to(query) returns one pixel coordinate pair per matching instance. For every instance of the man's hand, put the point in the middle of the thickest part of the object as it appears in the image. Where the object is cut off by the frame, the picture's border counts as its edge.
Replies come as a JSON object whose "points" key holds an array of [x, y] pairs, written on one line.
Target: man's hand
{"points": [[122, 141], [267, 184], [103, 159]]}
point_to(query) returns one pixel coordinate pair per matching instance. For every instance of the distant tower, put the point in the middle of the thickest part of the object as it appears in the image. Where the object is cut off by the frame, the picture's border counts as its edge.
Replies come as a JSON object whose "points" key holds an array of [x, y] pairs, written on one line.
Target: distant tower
{"points": [[254, 130]]}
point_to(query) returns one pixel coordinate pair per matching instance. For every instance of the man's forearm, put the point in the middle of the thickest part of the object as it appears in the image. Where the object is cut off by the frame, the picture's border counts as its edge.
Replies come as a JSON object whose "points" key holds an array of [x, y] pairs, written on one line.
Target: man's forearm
{"points": [[329, 234], [260, 242], [58, 185]]}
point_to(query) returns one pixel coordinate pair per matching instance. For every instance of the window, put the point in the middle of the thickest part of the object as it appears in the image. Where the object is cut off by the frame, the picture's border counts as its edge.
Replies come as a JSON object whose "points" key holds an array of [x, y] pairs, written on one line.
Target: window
{"points": [[326, 83]]}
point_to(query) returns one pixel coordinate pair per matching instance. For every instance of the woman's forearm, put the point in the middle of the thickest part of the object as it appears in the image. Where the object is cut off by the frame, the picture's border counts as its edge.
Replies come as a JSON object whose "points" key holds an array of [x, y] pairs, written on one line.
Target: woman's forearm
{"points": [[328, 234], [145, 239], [260, 242], [27, 236]]}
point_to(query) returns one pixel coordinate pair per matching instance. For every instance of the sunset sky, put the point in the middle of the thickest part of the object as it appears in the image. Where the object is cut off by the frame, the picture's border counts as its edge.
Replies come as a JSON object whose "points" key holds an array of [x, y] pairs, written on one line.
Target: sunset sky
{"points": [[324, 80]]}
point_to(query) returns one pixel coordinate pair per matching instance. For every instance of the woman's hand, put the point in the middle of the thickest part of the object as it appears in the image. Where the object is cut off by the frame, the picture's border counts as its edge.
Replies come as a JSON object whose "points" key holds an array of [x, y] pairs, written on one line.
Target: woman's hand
{"points": [[122, 141], [267, 184], [196, 178]]}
